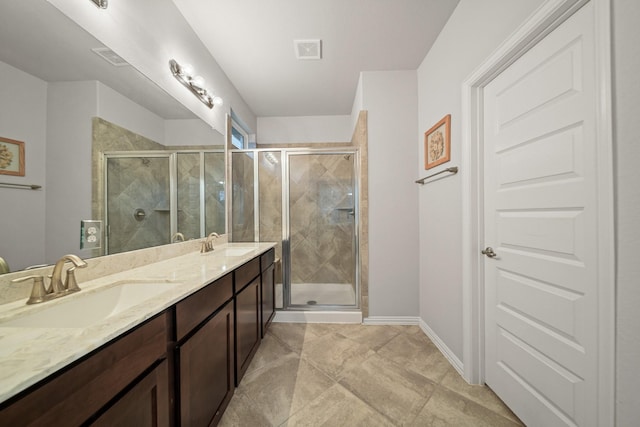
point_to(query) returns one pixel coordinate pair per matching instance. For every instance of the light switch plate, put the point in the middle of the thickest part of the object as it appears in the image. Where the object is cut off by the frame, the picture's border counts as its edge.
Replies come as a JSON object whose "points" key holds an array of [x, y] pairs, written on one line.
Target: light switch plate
{"points": [[90, 234]]}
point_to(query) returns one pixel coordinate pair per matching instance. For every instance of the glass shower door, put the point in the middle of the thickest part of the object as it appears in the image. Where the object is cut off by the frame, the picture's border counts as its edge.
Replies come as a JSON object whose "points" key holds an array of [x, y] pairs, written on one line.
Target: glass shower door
{"points": [[322, 229], [137, 202]]}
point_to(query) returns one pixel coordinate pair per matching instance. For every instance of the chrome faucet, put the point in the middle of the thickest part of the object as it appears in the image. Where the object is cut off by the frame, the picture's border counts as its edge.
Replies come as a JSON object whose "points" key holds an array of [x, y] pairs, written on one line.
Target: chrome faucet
{"points": [[207, 244], [39, 293]]}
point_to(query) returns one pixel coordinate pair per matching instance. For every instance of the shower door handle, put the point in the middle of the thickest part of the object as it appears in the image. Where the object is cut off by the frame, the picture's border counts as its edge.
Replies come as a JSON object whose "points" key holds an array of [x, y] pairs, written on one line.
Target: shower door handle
{"points": [[349, 211]]}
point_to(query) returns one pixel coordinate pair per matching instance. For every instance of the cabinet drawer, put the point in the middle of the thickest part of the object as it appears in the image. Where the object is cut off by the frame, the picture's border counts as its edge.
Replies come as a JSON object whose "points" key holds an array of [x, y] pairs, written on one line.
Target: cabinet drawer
{"points": [[266, 259], [247, 273], [76, 394], [197, 307]]}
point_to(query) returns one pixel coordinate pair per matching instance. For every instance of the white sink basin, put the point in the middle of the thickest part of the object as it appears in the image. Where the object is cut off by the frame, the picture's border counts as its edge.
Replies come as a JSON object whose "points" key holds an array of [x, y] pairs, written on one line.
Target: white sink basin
{"points": [[234, 251], [82, 310]]}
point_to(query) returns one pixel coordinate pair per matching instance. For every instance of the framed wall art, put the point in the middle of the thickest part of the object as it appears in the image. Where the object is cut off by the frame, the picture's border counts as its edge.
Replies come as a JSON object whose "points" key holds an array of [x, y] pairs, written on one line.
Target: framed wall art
{"points": [[437, 143], [11, 157]]}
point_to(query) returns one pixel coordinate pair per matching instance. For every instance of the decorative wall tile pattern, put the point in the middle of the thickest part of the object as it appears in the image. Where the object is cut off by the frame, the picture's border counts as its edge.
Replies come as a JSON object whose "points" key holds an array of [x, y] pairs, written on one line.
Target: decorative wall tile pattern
{"points": [[188, 187], [321, 221], [214, 195], [138, 185], [242, 205], [270, 195], [360, 141]]}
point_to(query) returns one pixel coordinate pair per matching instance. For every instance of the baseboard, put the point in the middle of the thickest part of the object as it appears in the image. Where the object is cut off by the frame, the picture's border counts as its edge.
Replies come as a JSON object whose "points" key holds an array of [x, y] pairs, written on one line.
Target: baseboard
{"points": [[290, 316], [391, 320], [446, 351]]}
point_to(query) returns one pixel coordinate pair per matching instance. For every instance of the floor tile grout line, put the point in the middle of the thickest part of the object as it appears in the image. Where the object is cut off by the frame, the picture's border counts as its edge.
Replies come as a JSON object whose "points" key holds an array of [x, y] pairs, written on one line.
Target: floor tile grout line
{"points": [[310, 334], [462, 396], [423, 406]]}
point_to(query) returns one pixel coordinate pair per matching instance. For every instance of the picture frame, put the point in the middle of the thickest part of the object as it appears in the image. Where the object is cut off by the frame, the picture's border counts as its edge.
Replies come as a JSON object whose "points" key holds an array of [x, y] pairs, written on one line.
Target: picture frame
{"points": [[11, 157], [437, 143]]}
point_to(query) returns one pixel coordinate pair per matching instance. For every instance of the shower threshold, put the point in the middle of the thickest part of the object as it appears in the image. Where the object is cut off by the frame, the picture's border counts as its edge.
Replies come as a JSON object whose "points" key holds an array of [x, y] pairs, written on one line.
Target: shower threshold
{"points": [[319, 294]]}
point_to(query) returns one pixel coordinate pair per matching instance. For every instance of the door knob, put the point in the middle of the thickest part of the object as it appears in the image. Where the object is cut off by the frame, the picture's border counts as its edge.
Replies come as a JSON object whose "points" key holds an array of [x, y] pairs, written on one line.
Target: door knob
{"points": [[489, 252]]}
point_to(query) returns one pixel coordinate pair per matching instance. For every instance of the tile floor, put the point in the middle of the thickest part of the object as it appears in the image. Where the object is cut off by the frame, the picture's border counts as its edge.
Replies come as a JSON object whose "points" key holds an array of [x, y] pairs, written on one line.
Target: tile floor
{"points": [[357, 375]]}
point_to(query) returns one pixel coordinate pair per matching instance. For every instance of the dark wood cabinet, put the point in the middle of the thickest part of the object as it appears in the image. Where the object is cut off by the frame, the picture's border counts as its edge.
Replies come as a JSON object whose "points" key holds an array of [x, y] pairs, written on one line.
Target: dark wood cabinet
{"points": [[268, 297], [95, 383], [144, 405], [247, 326], [205, 364]]}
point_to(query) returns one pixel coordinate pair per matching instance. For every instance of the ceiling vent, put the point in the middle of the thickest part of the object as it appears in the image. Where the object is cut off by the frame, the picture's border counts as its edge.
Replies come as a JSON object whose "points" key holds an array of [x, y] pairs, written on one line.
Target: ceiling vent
{"points": [[110, 56], [308, 49]]}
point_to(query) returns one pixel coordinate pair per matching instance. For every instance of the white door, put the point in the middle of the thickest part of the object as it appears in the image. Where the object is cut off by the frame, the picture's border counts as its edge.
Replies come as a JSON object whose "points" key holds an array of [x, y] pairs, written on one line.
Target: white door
{"points": [[540, 210]]}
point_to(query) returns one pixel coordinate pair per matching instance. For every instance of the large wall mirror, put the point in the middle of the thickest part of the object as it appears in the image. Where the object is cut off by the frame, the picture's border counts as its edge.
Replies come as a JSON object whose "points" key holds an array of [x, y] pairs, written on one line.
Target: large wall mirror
{"points": [[102, 141]]}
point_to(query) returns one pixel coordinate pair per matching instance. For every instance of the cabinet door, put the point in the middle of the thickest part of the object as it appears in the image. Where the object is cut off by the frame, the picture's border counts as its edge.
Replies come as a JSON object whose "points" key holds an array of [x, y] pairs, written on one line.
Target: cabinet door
{"points": [[268, 297], [207, 371], [247, 326], [145, 405]]}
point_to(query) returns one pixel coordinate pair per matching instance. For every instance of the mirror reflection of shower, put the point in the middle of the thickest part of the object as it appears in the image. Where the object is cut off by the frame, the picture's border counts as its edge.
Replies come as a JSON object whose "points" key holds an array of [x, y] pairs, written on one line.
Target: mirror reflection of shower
{"points": [[155, 198]]}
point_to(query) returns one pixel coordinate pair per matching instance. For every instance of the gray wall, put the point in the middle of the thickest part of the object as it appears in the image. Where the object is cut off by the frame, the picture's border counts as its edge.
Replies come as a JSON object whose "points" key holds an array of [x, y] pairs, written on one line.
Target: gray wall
{"points": [[23, 117], [390, 97], [626, 104], [474, 30], [70, 108]]}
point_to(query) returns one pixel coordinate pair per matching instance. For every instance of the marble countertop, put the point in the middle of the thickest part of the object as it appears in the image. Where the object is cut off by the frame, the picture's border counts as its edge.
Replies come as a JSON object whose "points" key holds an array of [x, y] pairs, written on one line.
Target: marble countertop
{"points": [[30, 354]]}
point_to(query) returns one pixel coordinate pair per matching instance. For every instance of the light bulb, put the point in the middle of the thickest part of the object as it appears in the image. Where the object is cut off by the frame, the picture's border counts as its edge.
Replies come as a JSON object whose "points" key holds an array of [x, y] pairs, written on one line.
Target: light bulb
{"points": [[217, 100], [198, 81], [186, 69]]}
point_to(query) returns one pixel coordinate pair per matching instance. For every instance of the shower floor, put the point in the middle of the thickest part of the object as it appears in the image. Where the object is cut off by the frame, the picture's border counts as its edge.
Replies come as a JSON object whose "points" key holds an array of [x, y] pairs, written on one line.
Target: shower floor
{"points": [[318, 294]]}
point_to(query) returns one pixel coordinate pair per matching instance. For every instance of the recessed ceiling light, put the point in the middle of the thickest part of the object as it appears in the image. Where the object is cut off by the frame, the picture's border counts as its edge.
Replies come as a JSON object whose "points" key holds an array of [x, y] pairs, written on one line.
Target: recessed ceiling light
{"points": [[308, 49]]}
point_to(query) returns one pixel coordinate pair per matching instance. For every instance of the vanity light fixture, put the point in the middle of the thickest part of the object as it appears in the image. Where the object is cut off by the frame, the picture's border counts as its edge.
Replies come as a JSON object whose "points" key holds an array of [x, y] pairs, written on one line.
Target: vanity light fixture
{"points": [[102, 4], [184, 74]]}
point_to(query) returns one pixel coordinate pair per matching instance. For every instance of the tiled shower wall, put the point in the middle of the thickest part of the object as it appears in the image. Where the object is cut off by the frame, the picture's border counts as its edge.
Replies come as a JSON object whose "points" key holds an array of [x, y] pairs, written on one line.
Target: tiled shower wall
{"points": [[242, 205], [320, 204], [110, 137], [270, 207], [138, 183], [321, 224], [188, 187], [270, 196]]}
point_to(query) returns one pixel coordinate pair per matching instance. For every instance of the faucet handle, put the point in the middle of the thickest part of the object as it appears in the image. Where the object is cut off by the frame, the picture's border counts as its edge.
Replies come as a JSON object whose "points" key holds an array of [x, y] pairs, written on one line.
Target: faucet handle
{"points": [[38, 292], [71, 284]]}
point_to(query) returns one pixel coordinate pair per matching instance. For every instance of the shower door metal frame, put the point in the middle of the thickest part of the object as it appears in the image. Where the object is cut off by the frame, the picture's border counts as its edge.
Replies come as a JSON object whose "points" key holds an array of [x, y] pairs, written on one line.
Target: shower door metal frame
{"points": [[285, 153], [286, 228]]}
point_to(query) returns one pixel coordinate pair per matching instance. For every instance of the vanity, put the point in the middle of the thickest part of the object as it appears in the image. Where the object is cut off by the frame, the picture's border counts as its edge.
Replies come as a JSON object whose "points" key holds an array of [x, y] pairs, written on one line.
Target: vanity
{"points": [[170, 352]]}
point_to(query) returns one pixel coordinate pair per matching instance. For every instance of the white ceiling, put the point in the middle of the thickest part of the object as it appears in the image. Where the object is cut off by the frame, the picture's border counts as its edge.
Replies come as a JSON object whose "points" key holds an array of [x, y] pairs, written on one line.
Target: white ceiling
{"points": [[252, 40]]}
